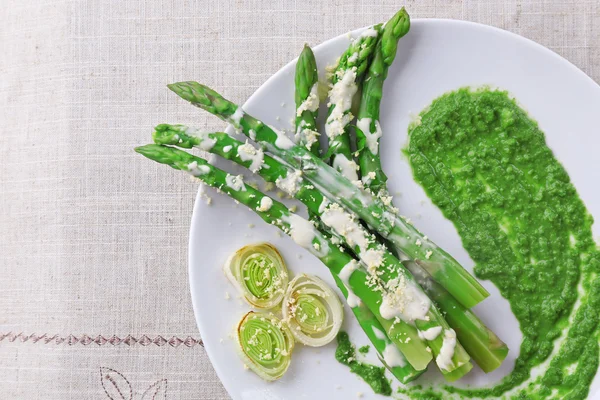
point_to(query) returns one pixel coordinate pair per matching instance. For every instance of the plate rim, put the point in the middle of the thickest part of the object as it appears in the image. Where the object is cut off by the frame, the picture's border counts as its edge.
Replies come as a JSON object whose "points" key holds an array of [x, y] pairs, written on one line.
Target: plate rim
{"points": [[198, 203]]}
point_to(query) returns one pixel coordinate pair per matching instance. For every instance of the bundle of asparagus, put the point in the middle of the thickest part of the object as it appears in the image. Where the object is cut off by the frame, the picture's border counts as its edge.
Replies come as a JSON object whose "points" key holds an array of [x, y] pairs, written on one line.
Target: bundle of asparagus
{"points": [[412, 311]]}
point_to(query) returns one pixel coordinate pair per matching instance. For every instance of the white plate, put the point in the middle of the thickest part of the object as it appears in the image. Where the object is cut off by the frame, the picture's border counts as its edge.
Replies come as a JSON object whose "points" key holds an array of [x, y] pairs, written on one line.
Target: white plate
{"points": [[435, 57]]}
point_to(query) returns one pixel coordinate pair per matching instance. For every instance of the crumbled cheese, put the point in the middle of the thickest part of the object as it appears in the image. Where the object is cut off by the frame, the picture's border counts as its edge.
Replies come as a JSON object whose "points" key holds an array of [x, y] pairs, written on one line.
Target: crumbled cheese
{"points": [[404, 300], [311, 103], [428, 254], [291, 183], [247, 152], [368, 178], [345, 224], [227, 149], [340, 96], [387, 200]]}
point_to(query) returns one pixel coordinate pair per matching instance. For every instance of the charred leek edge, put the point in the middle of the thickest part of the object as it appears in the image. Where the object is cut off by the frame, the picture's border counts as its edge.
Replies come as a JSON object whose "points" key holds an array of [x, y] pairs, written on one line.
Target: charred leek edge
{"points": [[265, 345], [259, 273], [312, 311]]}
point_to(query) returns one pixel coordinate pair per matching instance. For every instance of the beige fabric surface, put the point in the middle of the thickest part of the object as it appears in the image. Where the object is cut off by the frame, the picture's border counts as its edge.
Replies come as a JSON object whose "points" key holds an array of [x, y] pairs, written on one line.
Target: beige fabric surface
{"points": [[93, 238]]}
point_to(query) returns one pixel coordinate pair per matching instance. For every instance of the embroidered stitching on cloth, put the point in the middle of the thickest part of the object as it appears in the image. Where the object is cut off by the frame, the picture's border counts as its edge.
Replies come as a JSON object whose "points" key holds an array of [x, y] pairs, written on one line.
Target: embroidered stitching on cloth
{"points": [[100, 340], [117, 386]]}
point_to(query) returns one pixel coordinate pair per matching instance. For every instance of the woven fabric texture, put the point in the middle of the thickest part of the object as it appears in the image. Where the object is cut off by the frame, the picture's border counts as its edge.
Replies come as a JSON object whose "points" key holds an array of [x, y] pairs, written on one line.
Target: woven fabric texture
{"points": [[94, 298]]}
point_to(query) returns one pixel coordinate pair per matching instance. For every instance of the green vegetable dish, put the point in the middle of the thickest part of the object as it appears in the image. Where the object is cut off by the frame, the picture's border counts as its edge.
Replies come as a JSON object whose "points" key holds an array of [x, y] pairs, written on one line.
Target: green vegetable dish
{"points": [[480, 158], [484, 162]]}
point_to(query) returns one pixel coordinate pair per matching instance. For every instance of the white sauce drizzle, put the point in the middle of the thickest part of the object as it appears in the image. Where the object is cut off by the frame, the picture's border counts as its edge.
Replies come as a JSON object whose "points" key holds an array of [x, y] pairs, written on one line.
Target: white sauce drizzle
{"points": [[372, 257], [206, 142], [303, 233], [346, 225], [235, 182], [353, 58], [237, 116], [404, 300], [344, 275], [392, 356], [340, 96], [444, 359], [252, 134], [291, 183], [379, 335], [311, 103], [345, 167], [372, 138], [282, 141], [323, 205], [431, 333], [369, 32], [265, 204], [248, 152], [197, 170]]}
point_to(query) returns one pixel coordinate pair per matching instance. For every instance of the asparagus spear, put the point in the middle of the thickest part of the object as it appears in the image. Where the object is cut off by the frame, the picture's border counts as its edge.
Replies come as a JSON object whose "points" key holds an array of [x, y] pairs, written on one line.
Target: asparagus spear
{"points": [[351, 275], [382, 265], [368, 130], [307, 103], [307, 100], [376, 212], [344, 85], [481, 343]]}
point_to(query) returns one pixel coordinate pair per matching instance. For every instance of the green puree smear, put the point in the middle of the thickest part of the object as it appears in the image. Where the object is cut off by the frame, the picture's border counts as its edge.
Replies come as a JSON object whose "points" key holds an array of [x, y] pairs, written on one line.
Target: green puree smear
{"points": [[373, 375], [485, 163]]}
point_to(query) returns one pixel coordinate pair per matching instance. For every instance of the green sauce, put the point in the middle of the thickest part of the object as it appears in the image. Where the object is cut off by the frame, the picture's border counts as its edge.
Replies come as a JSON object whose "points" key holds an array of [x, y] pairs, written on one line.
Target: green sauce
{"points": [[485, 163], [364, 349], [373, 375]]}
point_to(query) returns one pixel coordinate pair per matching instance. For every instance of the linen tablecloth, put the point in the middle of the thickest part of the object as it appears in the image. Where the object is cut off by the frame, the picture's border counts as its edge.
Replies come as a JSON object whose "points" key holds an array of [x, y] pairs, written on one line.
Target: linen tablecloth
{"points": [[94, 297]]}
